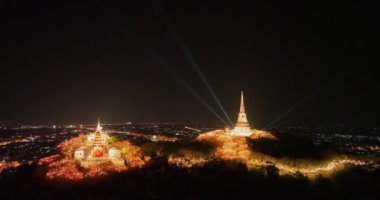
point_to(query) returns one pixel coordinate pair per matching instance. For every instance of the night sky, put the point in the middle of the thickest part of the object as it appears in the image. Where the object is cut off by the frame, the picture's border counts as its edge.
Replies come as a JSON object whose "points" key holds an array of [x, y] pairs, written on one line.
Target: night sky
{"points": [[70, 63]]}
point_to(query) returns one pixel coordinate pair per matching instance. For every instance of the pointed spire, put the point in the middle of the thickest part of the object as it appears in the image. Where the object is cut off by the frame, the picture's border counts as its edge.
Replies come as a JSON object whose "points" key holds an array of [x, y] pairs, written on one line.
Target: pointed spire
{"points": [[242, 127], [242, 109], [98, 128]]}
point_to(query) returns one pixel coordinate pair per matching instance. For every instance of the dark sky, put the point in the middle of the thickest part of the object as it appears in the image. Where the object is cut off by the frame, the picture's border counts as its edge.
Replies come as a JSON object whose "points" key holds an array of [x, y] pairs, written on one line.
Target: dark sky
{"points": [[63, 62]]}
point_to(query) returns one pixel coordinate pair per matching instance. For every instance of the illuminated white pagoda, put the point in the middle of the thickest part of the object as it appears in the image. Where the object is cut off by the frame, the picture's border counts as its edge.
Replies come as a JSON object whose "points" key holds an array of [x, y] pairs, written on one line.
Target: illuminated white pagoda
{"points": [[242, 127], [97, 150], [98, 138]]}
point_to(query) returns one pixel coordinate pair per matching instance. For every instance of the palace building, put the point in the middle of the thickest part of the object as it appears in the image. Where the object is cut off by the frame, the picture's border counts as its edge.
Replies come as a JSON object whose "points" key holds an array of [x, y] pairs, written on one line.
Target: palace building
{"points": [[97, 150]]}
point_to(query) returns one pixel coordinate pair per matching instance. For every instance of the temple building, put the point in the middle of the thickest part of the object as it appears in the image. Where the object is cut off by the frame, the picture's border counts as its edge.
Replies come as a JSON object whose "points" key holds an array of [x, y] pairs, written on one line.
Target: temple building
{"points": [[97, 150], [242, 127]]}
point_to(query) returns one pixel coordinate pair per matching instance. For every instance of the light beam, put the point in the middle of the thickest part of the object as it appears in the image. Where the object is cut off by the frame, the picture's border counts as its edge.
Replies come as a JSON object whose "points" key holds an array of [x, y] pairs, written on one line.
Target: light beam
{"points": [[192, 61], [299, 103], [185, 84]]}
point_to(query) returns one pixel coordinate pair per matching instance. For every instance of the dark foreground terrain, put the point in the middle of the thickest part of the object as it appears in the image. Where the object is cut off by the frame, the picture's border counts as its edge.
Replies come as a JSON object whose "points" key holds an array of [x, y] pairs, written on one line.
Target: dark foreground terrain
{"points": [[217, 180]]}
